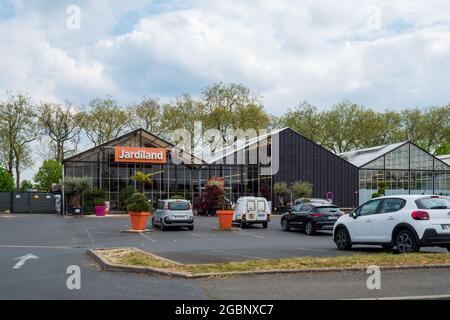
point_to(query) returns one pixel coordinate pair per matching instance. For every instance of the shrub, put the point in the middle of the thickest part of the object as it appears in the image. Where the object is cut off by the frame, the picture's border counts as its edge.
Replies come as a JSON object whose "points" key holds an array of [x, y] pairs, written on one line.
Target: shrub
{"points": [[6, 181], [302, 189], [95, 197], [375, 195], [125, 196], [139, 203], [177, 197], [75, 187]]}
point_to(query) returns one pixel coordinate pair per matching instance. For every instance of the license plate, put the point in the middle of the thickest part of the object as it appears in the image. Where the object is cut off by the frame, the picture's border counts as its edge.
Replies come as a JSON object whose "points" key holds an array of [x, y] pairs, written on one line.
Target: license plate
{"points": [[179, 217], [446, 226], [332, 218]]}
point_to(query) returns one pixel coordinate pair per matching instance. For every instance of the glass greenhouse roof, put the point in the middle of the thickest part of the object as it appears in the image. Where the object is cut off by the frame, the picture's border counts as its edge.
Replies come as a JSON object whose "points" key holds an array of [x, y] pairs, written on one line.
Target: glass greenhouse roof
{"points": [[363, 156]]}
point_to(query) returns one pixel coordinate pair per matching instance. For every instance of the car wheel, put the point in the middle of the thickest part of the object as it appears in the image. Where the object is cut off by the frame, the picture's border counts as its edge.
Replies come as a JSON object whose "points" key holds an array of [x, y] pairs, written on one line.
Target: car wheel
{"points": [[243, 225], [405, 242], [448, 248], [342, 239], [285, 225], [191, 228], [162, 226], [309, 228], [265, 225]]}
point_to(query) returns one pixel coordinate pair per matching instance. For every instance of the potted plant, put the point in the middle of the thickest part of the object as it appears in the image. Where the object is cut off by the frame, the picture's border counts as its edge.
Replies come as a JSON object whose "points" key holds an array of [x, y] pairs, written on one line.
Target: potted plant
{"points": [[225, 213], [74, 187], [139, 210], [100, 206]]}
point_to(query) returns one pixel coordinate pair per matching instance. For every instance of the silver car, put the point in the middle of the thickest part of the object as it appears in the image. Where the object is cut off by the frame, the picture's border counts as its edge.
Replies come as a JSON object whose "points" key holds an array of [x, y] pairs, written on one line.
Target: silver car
{"points": [[173, 213]]}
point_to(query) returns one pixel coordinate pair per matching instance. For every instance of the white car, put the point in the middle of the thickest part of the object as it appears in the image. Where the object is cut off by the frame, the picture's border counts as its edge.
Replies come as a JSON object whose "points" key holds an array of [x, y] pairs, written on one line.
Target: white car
{"points": [[252, 210], [173, 213], [405, 222]]}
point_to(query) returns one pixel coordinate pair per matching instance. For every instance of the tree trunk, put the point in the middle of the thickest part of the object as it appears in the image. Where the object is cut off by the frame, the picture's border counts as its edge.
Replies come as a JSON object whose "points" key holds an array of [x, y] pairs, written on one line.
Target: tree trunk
{"points": [[17, 175]]}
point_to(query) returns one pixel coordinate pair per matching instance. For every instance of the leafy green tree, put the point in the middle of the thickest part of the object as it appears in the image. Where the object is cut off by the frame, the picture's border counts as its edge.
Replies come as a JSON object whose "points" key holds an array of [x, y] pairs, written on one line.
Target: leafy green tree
{"points": [[442, 149], [280, 189], [342, 126], [18, 129], [105, 120], [61, 123], [50, 172], [148, 115], [6, 181], [233, 106], [26, 186], [302, 189], [305, 119]]}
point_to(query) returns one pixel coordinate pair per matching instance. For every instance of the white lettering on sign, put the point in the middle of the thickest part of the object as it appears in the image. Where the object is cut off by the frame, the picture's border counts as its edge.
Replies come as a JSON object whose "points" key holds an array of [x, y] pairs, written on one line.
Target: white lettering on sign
{"points": [[142, 155]]}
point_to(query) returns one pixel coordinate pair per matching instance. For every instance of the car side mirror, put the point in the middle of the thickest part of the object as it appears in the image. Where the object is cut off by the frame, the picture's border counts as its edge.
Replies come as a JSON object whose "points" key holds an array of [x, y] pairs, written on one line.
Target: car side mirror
{"points": [[353, 214]]}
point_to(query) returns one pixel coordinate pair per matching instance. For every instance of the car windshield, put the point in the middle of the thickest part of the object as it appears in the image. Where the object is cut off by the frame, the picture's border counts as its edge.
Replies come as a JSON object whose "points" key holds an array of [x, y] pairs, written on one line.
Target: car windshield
{"points": [[328, 209], [179, 205], [433, 203]]}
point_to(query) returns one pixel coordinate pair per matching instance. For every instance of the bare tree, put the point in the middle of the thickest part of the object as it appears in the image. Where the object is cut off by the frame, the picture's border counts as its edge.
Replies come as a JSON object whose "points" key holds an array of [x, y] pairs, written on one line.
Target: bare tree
{"points": [[147, 115]]}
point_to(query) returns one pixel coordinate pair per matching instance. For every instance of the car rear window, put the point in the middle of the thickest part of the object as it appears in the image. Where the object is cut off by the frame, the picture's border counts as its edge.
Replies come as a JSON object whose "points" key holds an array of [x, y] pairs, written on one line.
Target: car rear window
{"points": [[326, 209], [251, 205], [433, 203], [179, 205], [261, 205]]}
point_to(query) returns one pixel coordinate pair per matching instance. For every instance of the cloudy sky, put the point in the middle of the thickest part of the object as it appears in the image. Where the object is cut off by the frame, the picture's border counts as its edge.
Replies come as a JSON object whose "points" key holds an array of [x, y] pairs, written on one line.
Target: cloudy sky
{"points": [[383, 54]]}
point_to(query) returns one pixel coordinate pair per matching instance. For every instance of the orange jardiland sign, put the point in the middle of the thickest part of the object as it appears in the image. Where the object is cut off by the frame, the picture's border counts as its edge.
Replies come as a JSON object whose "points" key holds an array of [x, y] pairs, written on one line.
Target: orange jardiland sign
{"points": [[141, 155]]}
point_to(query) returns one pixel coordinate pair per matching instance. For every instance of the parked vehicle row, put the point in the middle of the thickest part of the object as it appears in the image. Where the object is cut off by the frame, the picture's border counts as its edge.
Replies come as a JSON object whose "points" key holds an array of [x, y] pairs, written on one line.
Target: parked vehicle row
{"points": [[405, 222]]}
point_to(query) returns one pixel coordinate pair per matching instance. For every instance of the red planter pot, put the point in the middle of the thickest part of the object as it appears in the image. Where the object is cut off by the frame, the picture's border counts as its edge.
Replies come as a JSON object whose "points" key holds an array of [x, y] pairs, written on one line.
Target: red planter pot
{"points": [[139, 220], [100, 211], [225, 219]]}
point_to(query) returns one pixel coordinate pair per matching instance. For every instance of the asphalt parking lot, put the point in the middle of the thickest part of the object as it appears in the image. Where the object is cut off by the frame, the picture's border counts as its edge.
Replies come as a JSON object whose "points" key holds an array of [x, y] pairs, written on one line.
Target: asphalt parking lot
{"points": [[203, 245], [59, 242]]}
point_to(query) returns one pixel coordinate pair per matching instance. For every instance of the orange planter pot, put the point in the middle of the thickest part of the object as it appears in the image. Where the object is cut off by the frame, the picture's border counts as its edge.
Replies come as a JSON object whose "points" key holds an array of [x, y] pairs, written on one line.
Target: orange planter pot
{"points": [[139, 220], [225, 219]]}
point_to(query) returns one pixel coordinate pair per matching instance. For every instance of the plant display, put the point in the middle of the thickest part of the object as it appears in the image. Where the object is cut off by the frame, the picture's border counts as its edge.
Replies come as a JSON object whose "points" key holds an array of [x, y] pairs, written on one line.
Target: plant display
{"points": [[281, 189], [143, 178], [139, 203], [375, 195], [75, 187], [92, 198], [381, 188], [125, 196], [177, 197], [265, 192], [6, 181], [210, 197], [302, 189]]}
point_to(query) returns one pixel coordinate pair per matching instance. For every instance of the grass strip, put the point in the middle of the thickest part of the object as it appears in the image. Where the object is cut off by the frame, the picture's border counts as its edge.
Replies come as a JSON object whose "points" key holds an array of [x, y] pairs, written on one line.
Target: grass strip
{"points": [[137, 258]]}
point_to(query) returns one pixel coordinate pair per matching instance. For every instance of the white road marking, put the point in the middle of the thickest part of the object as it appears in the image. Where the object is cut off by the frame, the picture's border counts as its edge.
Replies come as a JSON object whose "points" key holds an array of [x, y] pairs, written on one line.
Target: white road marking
{"points": [[251, 235], [147, 237], [88, 233], [36, 247], [200, 235], [23, 259]]}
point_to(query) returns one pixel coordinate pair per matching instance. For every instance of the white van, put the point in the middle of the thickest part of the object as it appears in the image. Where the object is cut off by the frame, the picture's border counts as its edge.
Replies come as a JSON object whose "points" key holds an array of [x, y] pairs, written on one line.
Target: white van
{"points": [[251, 210]]}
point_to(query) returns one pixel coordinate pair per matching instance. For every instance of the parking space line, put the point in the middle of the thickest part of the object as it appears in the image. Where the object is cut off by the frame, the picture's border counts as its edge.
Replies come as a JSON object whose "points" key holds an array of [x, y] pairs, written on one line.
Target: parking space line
{"points": [[147, 237], [88, 233], [200, 235], [251, 235], [34, 247]]}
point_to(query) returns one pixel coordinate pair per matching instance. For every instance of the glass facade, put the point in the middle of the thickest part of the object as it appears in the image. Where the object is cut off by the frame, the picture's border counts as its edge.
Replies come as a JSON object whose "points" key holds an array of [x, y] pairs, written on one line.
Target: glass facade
{"points": [[405, 170], [187, 180]]}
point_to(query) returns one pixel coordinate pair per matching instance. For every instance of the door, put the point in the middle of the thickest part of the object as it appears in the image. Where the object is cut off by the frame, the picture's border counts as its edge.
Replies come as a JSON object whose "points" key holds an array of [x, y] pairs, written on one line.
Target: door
{"points": [[304, 214], [386, 219], [294, 216], [361, 228], [159, 212]]}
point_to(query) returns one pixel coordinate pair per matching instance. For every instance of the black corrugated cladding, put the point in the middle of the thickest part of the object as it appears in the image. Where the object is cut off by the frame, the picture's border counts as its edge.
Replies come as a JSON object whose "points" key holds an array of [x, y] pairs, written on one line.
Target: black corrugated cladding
{"points": [[303, 160]]}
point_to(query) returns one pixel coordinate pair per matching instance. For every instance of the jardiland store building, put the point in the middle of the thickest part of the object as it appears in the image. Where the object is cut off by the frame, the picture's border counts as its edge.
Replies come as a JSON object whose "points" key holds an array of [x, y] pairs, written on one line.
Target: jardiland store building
{"points": [[253, 166]]}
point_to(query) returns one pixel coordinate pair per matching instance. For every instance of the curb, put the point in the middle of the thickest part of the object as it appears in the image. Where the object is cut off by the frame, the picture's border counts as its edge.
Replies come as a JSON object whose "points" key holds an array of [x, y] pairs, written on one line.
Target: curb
{"points": [[108, 266]]}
